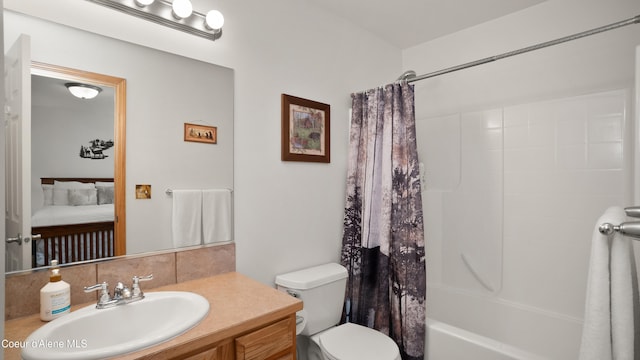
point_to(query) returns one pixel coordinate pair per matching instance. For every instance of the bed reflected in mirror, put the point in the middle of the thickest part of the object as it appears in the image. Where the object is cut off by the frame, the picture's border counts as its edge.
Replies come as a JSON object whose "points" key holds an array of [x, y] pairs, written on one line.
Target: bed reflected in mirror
{"points": [[75, 220]]}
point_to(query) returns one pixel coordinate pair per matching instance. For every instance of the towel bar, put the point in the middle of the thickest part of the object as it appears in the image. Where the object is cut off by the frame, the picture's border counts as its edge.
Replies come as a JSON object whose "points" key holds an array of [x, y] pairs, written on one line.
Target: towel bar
{"points": [[633, 211], [170, 191], [626, 228]]}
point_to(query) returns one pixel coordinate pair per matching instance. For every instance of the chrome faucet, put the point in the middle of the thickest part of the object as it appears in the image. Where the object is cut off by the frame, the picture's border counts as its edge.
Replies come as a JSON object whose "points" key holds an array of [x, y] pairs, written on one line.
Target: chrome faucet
{"points": [[121, 293]]}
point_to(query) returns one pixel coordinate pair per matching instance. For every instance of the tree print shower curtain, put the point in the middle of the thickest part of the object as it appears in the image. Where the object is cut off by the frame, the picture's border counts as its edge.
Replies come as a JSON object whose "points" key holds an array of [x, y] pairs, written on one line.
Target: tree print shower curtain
{"points": [[383, 239]]}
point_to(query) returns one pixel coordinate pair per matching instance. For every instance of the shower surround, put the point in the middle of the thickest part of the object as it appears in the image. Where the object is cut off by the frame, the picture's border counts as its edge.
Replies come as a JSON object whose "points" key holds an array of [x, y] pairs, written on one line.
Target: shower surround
{"points": [[511, 197]]}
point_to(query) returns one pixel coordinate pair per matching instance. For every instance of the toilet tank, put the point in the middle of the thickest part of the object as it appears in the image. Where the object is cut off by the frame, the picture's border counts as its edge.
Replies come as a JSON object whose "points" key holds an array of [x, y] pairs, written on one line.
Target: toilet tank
{"points": [[322, 289]]}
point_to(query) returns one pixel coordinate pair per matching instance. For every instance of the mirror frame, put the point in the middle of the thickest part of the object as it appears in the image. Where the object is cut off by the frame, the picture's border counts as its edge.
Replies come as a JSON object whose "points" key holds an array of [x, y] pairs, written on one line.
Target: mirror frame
{"points": [[119, 125]]}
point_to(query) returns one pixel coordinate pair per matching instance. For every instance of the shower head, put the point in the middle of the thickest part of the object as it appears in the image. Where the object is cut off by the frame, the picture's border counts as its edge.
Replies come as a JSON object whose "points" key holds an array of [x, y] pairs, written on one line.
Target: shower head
{"points": [[409, 74]]}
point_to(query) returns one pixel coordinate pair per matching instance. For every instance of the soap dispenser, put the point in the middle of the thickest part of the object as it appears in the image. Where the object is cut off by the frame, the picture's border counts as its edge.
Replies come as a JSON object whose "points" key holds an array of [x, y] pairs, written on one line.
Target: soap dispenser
{"points": [[55, 297]]}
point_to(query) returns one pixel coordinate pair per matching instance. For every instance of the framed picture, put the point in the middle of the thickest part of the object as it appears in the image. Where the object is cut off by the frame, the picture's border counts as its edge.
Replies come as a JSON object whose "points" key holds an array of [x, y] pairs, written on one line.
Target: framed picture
{"points": [[200, 133], [305, 130]]}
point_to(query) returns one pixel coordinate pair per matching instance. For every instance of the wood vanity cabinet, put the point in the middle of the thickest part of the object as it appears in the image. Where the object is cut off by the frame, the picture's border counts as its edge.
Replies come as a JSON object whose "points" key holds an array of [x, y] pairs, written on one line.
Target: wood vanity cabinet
{"points": [[275, 341]]}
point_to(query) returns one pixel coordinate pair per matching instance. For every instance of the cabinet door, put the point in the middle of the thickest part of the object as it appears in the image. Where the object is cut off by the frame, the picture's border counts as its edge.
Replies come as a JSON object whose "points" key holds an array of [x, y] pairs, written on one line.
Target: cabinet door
{"points": [[273, 342], [220, 352]]}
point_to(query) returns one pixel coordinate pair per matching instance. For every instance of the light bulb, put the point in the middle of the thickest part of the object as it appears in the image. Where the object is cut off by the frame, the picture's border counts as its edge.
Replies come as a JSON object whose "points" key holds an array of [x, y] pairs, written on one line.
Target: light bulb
{"points": [[182, 9], [214, 20], [143, 3]]}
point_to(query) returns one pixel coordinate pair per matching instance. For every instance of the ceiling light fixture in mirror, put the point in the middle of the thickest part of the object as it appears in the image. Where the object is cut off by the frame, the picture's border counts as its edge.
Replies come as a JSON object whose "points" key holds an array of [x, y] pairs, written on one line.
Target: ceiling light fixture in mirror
{"points": [[83, 91], [178, 15]]}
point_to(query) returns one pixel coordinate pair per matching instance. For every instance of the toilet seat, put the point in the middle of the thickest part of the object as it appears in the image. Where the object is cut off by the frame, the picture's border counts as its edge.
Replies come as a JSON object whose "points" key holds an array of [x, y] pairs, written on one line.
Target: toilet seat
{"points": [[355, 342]]}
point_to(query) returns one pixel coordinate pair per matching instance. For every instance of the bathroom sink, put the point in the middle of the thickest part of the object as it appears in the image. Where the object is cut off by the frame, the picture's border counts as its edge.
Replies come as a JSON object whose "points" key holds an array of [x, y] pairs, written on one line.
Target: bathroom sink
{"points": [[91, 333]]}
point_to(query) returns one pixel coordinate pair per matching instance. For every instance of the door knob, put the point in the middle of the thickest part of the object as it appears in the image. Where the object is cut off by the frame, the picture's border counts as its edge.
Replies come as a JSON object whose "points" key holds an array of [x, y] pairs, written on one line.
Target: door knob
{"points": [[17, 239]]}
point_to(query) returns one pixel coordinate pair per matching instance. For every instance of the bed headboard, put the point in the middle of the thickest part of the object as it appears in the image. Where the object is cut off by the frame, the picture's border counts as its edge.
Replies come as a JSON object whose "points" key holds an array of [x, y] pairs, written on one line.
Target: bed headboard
{"points": [[50, 180]]}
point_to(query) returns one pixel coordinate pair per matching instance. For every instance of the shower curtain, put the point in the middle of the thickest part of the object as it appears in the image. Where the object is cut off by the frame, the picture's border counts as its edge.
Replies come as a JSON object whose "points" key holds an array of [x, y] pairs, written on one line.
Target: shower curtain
{"points": [[383, 238]]}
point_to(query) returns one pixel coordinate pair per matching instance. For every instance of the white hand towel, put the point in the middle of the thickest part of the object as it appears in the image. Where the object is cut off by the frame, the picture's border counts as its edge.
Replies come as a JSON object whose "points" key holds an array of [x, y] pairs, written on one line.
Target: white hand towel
{"points": [[216, 215], [608, 329], [187, 218]]}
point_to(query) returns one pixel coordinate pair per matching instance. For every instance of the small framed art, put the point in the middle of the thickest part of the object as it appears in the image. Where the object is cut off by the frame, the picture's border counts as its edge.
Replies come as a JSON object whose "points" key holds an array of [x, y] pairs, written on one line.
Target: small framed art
{"points": [[200, 133]]}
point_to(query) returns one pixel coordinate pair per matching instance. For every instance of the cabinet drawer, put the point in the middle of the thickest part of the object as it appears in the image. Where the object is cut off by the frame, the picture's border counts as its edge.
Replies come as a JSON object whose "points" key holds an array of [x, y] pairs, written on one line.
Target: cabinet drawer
{"points": [[267, 342]]}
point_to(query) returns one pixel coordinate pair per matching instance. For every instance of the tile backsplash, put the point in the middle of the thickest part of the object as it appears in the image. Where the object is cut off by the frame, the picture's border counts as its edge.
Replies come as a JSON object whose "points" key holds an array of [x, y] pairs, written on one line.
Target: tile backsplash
{"points": [[22, 290]]}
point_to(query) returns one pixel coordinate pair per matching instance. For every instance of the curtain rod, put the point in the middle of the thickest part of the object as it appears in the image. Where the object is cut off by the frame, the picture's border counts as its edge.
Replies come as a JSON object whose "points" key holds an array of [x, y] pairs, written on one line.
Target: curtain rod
{"points": [[633, 20]]}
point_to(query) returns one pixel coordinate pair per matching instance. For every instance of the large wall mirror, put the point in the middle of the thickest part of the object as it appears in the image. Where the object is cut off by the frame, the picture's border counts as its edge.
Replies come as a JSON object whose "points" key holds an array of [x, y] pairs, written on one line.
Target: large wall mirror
{"points": [[163, 92]]}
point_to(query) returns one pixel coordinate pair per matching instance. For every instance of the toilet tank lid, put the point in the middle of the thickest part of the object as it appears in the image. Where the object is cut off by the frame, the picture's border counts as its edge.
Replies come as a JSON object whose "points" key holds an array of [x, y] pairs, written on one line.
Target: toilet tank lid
{"points": [[312, 277]]}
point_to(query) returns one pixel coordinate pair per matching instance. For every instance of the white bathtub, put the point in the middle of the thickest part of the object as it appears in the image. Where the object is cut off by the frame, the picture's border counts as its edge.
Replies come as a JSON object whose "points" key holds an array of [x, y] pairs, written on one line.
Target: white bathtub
{"points": [[446, 342], [463, 325]]}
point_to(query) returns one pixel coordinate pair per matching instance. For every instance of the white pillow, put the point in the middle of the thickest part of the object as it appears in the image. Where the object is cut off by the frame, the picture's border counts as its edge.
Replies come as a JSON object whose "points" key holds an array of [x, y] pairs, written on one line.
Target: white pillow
{"points": [[60, 196], [47, 190], [72, 185], [80, 197], [105, 195]]}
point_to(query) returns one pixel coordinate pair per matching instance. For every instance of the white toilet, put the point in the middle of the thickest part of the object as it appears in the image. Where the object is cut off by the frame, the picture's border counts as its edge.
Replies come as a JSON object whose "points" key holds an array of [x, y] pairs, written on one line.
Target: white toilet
{"points": [[322, 289]]}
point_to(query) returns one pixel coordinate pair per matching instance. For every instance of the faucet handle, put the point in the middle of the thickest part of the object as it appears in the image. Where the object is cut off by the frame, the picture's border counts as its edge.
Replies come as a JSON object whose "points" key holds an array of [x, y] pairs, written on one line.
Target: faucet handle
{"points": [[135, 288], [121, 291], [104, 291], [136, 279]]}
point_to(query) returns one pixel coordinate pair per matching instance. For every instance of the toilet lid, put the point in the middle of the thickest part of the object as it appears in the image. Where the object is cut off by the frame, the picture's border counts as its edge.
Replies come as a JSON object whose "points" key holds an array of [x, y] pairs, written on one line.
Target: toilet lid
{"points": [[355, 342]]}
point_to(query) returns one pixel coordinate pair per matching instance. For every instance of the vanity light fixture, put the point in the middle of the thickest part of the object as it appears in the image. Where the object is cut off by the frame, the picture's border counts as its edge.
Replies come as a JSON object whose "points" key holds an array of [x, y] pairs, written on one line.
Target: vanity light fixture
{"points": [[83, 91], [176, 14]]}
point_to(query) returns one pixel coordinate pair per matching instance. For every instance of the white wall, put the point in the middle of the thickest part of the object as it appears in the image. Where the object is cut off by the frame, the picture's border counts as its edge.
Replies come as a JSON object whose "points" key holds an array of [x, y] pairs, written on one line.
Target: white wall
{"points": [[602, 61], [550, 132], [287, 215]]}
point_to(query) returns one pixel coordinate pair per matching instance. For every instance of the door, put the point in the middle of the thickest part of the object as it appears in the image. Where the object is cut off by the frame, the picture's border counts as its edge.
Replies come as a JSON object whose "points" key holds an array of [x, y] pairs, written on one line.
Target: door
{"points": [[17, 78]]}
